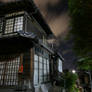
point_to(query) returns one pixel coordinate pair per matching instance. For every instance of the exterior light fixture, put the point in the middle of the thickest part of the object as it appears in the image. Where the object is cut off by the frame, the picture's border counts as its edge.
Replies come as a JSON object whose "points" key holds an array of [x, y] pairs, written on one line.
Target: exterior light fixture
{"points": [[73, 71]]}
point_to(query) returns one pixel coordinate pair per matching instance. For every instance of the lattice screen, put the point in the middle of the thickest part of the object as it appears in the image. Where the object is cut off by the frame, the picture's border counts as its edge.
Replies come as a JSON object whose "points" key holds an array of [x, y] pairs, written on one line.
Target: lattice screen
{"points": [[9, 72]]}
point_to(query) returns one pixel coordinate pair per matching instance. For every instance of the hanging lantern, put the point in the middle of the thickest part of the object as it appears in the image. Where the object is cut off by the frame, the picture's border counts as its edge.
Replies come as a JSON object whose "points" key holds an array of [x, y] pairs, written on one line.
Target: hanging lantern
{"points": [[21, 69]]}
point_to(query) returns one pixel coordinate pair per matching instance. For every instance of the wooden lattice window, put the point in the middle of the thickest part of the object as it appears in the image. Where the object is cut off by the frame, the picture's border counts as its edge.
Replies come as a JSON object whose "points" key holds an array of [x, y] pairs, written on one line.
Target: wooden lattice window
{"points": [[18, 26], [36, 70], [1, 26], [41, 66], [9, 25], [9, 72], [40, 70], [14, 24]]}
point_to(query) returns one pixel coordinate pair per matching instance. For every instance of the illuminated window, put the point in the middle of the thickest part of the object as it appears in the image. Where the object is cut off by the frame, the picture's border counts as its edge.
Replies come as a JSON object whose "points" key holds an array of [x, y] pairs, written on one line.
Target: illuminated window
{"points": [[9, 72], [35, 69], [59, 65], [1, 25], [18, 24], [48, 69], [45, 70], [9, 25], [40, 70], [14, 24], [41, 67]]}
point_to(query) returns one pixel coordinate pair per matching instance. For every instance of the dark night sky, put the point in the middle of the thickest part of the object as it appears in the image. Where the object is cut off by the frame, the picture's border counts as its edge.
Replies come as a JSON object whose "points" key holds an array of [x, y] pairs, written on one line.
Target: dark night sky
{"points": [[55, 13]]}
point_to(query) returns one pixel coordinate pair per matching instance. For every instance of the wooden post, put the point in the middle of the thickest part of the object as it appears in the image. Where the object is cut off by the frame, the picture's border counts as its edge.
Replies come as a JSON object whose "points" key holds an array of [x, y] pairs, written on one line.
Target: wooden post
{"points": [[20, 73], [32, 65], [21, 59]]}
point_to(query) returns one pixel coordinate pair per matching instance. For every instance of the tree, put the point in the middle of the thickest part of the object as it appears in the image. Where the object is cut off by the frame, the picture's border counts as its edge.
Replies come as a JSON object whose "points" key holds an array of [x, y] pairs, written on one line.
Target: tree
{"points": [[70, 82], [85, 64], [80, 12]]}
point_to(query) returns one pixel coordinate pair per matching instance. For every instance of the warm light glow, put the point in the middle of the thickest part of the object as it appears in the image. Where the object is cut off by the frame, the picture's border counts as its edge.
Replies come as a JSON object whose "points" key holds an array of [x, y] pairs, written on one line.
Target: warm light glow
{"points": [[73, 71]]}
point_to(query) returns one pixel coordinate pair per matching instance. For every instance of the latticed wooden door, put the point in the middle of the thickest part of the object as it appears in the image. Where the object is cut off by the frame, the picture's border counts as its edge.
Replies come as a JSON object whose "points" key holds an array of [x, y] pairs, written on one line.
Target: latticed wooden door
{"points": [[9, 72]]}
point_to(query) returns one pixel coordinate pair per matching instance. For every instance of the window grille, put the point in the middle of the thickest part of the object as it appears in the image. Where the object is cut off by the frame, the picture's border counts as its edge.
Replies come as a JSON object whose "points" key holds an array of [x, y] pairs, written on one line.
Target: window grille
{"points": [[41, 67], [9, 26], [18, 24], [1, 26], [9, 72], [14, 24], [35, 69]]}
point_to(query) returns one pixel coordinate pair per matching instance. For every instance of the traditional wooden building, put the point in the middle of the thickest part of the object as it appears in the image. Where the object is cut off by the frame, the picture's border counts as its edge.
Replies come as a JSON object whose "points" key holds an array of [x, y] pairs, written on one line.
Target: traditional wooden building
{"points": [[26, 59]]}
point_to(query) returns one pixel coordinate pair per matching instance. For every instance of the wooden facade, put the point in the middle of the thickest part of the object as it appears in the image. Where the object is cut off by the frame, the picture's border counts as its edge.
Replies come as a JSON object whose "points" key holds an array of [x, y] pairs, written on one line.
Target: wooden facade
{"points": [[26, 59]]}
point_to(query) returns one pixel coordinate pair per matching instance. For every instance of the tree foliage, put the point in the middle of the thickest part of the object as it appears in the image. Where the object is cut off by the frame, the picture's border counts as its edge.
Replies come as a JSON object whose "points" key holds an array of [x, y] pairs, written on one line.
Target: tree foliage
{"points": [[70, 82], [85, 63], [81, 22]]}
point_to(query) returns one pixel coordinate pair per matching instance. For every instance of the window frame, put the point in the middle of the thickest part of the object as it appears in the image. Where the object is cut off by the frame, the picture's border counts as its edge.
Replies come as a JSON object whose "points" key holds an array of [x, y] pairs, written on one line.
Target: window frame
{"points": [[44, 77], [14, 19], [9, 72], [4, 20]]}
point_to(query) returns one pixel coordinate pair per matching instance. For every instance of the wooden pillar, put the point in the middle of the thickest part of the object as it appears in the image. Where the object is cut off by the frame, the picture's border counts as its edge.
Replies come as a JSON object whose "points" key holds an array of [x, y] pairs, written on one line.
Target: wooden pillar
{"points": [[21, 59], [26, 65], [20, 74], [32, 64], [32, 68]]}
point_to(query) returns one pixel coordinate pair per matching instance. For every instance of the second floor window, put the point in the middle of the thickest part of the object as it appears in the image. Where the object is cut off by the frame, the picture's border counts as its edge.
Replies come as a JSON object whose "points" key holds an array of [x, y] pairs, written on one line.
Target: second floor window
{"points": [[14, 24], [9, 25], [18, 25], [1, 25]]}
